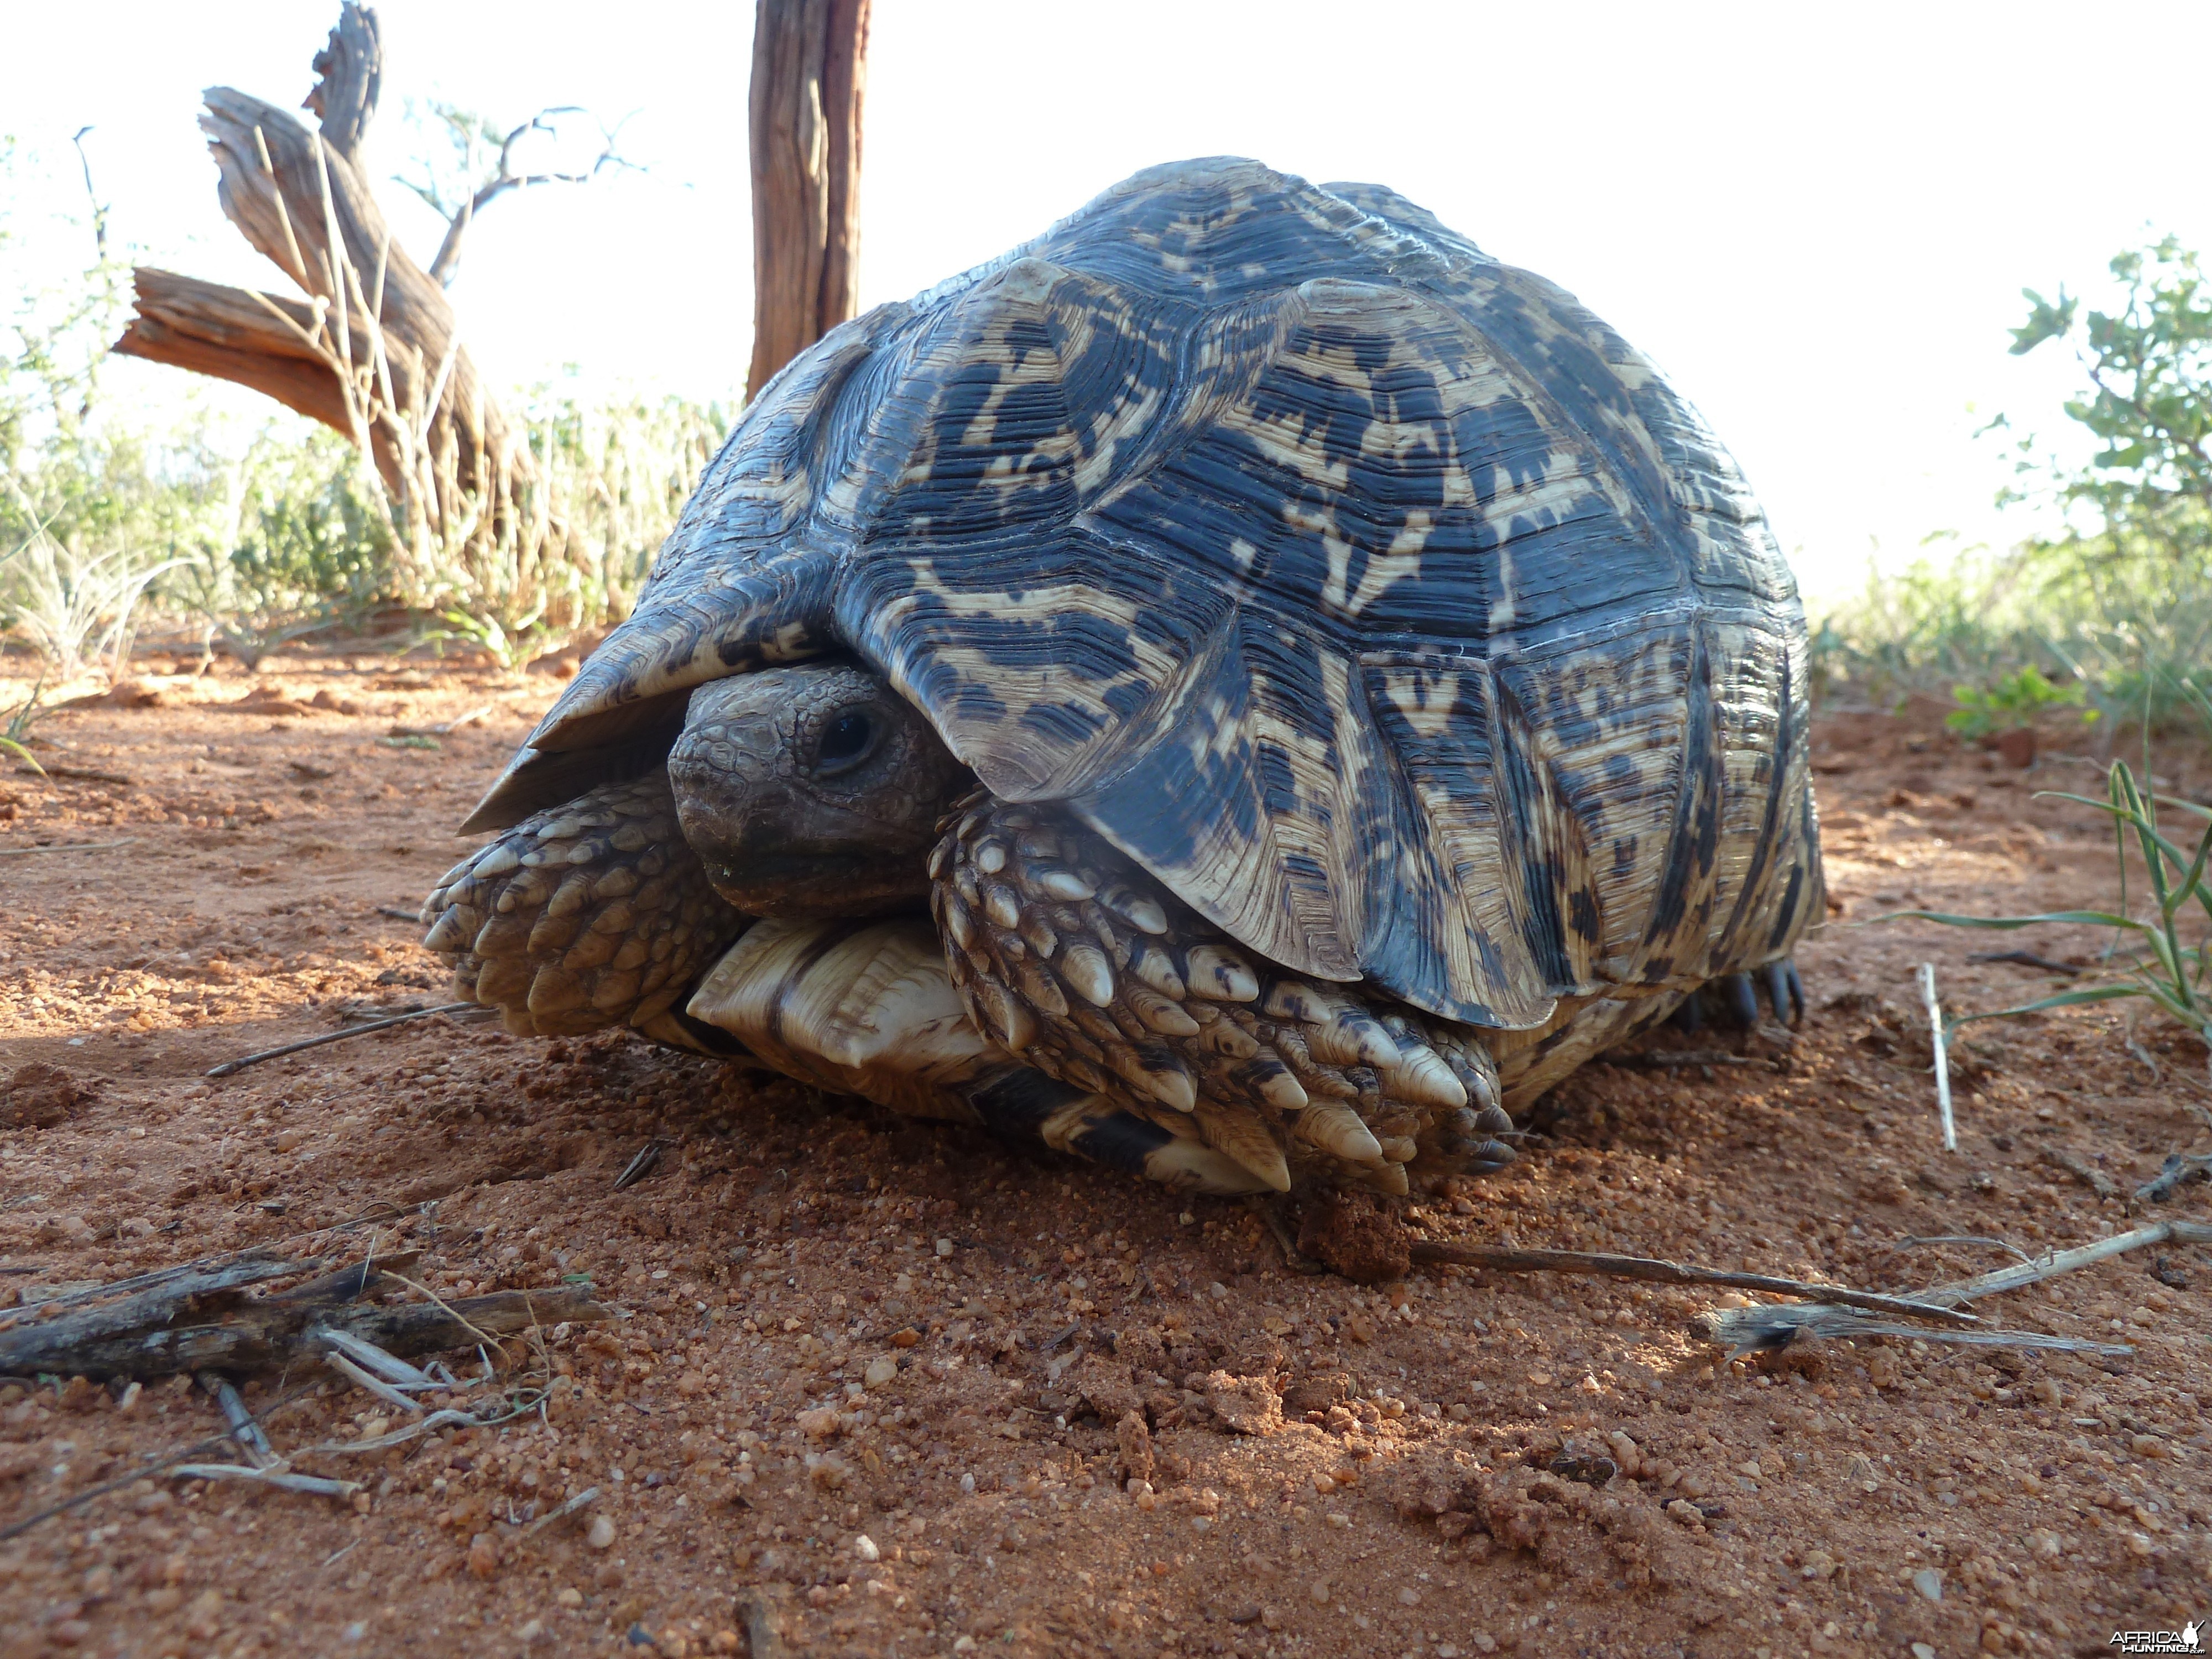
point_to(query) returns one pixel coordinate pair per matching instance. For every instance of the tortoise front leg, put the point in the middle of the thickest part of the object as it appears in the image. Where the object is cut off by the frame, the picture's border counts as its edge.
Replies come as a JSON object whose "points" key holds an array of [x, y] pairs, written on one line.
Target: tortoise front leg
{"points": [[1076, 961], [590, 914], [597, 914]]}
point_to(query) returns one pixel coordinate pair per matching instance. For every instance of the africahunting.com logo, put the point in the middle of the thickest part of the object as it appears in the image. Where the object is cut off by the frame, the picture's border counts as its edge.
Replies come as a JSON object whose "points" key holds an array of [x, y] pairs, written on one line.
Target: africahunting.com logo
{"points": [[2189, 1639]]}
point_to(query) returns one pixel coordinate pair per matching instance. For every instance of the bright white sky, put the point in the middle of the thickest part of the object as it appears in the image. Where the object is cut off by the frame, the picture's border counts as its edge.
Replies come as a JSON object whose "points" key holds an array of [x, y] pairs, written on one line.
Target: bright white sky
{"points": [[1817, 219]]}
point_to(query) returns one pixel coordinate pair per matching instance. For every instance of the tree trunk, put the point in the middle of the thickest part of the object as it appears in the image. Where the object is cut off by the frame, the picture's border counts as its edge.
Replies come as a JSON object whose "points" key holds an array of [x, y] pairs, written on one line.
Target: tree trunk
{"points": [[376, 352], [809, 70]]}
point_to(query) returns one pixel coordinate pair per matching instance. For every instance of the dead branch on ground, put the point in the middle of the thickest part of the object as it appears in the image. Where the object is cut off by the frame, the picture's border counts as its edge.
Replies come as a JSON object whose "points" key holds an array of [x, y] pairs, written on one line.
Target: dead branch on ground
{"points": [[202, 1320]]}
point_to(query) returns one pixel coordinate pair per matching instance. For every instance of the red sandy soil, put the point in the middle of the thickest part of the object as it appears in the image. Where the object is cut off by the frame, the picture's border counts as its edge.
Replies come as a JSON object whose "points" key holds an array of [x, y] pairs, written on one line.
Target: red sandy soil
{"points": [[1335, 1469]]}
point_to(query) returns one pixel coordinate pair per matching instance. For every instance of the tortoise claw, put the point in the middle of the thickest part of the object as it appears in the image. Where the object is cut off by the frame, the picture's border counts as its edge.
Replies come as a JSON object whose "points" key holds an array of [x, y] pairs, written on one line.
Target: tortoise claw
{"points": [[1742, 1001], [1786, 991]]}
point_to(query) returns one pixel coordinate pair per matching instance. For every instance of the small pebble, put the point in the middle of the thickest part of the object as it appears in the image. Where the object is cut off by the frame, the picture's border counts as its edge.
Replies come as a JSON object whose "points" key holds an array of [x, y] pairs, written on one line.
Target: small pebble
{"points": [[1319, 1590], [601, 1535], [1922, 1651], [1409, 1597], [864, 1548], [881, 1370], [483, 1555], [1929, 1583], [945, 1247], [570, 1597]]}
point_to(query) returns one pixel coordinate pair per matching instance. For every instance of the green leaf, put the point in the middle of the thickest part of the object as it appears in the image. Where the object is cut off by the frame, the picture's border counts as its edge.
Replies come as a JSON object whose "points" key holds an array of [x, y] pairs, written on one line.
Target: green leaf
{"points": [[2075, 999], [2046, 321], [2048, 919]]}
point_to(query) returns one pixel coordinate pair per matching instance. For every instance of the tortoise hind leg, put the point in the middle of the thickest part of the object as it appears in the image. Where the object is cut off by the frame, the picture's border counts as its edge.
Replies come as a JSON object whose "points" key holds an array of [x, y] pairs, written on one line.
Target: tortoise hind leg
{"points": [[1786, 991], [1732, 1001], [589, 915], [1073, 959]]}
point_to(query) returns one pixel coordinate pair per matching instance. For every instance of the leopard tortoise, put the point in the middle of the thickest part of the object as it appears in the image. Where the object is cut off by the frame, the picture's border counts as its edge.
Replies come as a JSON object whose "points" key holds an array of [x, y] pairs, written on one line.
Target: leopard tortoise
{"points": [[1246, 687]]}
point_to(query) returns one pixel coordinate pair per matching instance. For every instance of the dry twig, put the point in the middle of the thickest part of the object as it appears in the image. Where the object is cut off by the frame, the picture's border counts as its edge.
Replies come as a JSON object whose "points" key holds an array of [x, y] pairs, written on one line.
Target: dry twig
{"points": [[2178, 1168], [71, 847], [1943, 1057], [1748, 1330], [443, 728], [590, 1494], [1507, 1259], [278, 1477], [1742, 1329], [646, 1161], [2049, 1266], [174, 1286], [244, 1061], [2024, 959], [2094, 1179], [82, 774]]}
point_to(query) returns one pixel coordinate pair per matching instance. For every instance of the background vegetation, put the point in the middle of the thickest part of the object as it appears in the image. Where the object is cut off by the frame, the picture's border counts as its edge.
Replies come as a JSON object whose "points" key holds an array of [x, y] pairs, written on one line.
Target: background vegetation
{"points": [[2114, 613], [112, 522]]}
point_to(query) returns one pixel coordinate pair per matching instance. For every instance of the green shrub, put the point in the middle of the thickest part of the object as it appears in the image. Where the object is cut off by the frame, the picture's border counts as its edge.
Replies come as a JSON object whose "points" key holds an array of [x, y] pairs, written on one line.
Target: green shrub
{"points": [[2011, 701], [2119, 602]]}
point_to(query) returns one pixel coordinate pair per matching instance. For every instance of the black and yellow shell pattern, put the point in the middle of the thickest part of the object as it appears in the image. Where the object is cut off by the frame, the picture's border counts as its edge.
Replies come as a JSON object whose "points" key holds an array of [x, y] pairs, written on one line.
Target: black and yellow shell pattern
{"points": [[1371, 593]]}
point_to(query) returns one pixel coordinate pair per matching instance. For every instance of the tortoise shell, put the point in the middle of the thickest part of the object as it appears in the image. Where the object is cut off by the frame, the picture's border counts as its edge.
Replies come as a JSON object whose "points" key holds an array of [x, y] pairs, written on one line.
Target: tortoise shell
{"points": [[1372, 594]]}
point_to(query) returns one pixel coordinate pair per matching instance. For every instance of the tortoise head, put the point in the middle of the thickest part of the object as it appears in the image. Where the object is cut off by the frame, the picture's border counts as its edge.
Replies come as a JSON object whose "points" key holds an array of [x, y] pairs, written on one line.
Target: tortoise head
{"points": [[813, 790]]}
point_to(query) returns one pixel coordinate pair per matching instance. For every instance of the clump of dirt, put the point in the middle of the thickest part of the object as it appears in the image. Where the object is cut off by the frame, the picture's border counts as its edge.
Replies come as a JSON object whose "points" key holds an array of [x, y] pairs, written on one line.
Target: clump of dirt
{"points": [[1358, 1235], [39, 1096], [874, 1385]]}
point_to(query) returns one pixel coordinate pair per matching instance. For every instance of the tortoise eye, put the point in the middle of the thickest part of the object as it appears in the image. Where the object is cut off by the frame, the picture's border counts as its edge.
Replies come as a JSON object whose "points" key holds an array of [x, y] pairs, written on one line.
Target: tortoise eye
{"points": [[846, 742]]}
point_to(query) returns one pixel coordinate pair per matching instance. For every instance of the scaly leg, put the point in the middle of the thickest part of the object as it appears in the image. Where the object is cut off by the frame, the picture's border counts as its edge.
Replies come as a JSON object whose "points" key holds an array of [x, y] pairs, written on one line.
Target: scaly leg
{"points": [[590, 914], [1733, 999], [1074, 960]]}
